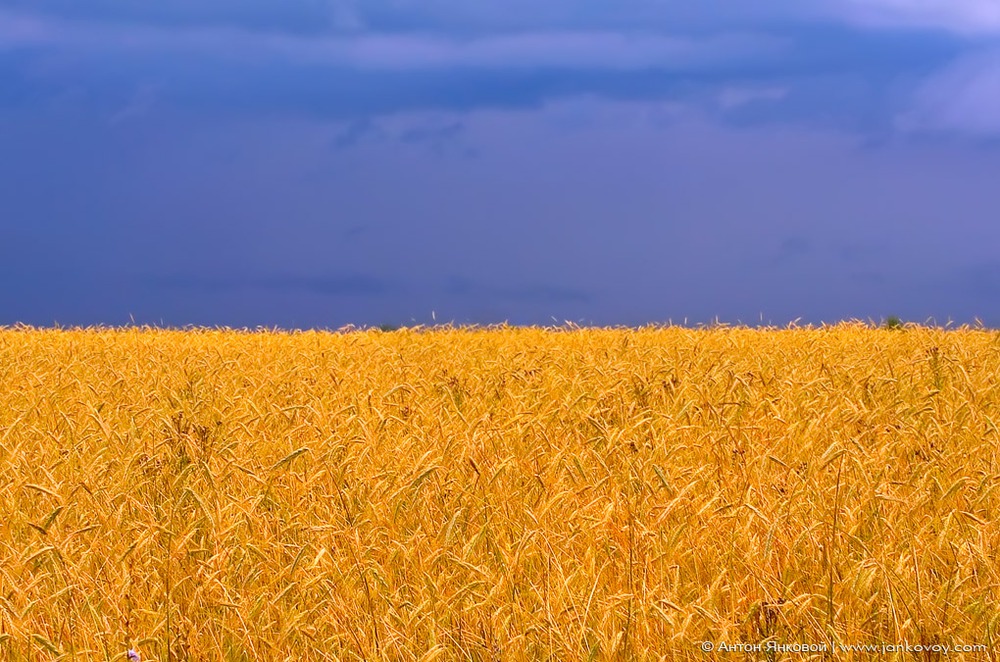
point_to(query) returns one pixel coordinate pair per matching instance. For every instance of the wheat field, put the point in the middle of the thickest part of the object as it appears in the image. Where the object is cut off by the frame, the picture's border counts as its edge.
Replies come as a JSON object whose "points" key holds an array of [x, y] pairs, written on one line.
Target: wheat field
{"points": [[498, 493]]}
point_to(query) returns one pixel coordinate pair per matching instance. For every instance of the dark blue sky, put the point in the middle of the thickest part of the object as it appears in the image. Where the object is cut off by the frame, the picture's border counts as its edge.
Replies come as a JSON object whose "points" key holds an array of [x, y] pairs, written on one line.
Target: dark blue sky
{"points": [[315, 163]]}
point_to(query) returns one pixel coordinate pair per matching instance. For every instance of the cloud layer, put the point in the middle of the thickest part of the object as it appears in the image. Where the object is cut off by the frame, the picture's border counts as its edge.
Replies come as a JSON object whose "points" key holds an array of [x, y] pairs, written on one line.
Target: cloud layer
{"points": [[969, 17], [962, 98], [121, 62], [321, 162]]}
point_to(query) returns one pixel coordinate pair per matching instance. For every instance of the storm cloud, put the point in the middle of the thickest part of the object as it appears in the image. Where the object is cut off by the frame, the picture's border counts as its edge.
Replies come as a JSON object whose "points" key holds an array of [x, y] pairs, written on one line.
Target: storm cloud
{"points": [[319, 163]]}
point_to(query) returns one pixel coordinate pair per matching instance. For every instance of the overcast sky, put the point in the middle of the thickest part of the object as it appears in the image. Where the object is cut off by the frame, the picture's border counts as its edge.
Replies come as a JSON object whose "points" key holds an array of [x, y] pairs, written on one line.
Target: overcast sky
{"points": [[316, 163]]}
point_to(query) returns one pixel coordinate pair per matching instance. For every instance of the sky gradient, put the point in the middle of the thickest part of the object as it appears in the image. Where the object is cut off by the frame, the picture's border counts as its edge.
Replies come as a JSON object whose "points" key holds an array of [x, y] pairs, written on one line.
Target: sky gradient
{"points": [[317, 163]]}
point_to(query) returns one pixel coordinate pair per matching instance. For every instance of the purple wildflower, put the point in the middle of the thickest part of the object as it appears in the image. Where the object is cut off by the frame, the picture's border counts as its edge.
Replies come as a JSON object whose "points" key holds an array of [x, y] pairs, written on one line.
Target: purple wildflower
{"points": [[133, 656]]}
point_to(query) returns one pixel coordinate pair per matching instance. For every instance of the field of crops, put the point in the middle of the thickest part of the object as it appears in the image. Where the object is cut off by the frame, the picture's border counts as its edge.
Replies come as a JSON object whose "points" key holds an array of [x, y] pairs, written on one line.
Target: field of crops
{"points": [[496, 494]]}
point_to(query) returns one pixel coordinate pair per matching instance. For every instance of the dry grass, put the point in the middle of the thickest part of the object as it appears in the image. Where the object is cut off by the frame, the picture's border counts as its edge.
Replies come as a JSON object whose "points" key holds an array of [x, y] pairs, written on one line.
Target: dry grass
{"points": [[499, 494]]}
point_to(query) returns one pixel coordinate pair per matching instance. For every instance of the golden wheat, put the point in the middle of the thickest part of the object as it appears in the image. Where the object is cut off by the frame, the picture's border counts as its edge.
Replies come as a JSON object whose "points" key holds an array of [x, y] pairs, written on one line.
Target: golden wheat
{"points": [[496, 494]]}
